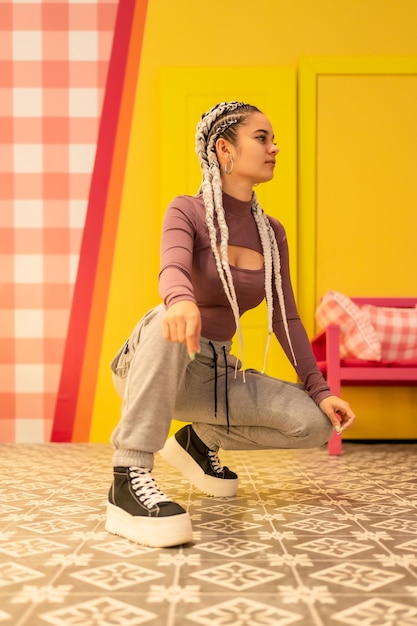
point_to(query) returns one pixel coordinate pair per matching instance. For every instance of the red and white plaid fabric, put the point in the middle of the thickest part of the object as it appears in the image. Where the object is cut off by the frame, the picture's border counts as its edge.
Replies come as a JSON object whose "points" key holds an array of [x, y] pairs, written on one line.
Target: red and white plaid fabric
{"points": [[53, 67], [396, 330], [358, 338]]}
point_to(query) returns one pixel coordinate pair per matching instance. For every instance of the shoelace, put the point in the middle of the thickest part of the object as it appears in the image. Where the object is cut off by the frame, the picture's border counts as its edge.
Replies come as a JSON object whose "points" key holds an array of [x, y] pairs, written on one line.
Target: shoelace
{"points": [[145, 487], [215, 461]]}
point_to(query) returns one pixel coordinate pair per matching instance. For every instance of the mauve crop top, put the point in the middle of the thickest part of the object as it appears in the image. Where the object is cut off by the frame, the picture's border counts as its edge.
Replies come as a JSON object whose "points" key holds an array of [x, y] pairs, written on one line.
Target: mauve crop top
{"points": [[188, 272]]}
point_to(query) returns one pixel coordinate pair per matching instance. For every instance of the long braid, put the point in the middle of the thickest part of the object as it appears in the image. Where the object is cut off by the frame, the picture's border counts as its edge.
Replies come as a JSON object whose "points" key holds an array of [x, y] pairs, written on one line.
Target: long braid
{"points": [[272, 263], [214, 124], [221, 121], [264, 235]]}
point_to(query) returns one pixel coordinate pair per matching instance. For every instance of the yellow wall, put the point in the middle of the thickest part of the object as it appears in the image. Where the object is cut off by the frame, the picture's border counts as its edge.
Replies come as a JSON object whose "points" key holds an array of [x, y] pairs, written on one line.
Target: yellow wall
{"points": [[366, 184], [187, 33], [357, 218]]}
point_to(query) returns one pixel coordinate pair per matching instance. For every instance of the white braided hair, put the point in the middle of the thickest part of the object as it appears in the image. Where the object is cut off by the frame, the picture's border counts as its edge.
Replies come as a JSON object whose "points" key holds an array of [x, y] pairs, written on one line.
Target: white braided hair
{"points": [[222, 121]]}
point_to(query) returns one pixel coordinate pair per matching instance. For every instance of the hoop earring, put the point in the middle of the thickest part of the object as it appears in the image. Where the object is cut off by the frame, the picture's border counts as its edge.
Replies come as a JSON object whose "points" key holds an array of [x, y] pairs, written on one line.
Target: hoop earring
{"points": [[229, 170]]}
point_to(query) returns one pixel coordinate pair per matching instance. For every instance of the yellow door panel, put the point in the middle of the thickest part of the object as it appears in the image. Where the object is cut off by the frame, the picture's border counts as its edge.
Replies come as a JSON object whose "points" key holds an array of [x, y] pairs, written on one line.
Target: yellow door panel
{"points": [[357, 202], [186, 93]]}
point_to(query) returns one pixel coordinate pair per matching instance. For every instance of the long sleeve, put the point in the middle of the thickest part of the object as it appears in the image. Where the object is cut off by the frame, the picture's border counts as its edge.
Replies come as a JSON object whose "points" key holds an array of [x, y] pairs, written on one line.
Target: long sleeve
{"points": [[176, 255]]}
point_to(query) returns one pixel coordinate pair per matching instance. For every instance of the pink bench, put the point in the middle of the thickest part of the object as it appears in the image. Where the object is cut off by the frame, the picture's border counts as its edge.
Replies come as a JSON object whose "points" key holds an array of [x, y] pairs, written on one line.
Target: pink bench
{"points": [[357, 372]]}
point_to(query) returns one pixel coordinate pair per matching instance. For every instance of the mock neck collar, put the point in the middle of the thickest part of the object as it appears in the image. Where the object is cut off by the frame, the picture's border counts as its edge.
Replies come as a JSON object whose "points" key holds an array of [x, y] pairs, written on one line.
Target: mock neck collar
{"points": [[236, 207]]}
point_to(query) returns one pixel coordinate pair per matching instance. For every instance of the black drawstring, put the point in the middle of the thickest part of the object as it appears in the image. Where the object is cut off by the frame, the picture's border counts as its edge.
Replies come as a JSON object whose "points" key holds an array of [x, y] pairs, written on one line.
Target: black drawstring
{"points": [[215, 357], [215, 376], [227, 395]]}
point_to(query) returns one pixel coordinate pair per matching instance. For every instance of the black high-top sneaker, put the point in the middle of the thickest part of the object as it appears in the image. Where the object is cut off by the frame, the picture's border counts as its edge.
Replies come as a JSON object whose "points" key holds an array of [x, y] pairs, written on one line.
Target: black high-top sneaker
{"points": [[200, 465], [138, 510]]}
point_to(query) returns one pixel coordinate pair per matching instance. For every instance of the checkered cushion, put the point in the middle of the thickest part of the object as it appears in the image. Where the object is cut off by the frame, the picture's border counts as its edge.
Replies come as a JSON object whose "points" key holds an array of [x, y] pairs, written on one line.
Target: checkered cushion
{"points": [[396, 330], [358, 337]]}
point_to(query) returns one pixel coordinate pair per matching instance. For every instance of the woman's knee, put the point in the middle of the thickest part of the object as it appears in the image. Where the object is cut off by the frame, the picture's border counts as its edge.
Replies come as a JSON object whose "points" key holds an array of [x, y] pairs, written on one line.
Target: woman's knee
{"points": [[310, 426], [319, 432]]}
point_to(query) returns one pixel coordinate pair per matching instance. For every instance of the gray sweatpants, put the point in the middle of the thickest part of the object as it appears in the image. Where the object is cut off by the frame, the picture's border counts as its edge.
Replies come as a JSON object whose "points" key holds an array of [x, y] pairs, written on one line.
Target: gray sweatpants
{"points": [[158, 383]]}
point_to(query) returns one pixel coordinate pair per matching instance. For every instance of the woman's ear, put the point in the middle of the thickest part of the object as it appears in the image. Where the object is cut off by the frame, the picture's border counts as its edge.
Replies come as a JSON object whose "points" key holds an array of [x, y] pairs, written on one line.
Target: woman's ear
{"points": [[222, 148]]}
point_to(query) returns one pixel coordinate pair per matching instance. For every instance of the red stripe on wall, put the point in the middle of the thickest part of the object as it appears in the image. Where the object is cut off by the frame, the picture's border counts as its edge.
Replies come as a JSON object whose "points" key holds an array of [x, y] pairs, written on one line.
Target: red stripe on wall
{"points": [[92, 354], [72, 366]]}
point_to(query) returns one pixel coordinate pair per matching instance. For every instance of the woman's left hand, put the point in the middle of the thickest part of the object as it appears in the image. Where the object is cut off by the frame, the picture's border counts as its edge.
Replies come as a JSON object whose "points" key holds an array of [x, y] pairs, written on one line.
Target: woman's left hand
{"points": [[338, 411]]}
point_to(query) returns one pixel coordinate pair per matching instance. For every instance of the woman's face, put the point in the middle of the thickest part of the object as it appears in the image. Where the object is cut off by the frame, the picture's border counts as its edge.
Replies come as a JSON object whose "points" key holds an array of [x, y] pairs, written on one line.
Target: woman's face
{"points": [[255, 152]]}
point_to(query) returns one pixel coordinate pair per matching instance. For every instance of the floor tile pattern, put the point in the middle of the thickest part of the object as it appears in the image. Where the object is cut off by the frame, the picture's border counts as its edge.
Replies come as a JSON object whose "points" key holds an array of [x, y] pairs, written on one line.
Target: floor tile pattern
{"points": [[310, 540]]}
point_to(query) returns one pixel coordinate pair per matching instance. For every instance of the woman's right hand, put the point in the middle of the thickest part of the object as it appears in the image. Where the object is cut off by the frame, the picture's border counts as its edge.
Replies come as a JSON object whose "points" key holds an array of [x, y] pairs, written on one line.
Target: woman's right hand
{"points": [[182, 324]]}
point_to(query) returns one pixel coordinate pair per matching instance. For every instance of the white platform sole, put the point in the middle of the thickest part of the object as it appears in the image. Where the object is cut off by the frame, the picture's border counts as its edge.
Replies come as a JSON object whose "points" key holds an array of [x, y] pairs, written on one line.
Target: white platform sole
{"points": [[156, 532], [184, 462]]}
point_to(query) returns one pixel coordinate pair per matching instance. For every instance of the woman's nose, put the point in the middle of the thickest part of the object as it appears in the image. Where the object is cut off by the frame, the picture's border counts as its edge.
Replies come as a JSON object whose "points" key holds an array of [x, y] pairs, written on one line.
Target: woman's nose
{"points": [[274, 148]]}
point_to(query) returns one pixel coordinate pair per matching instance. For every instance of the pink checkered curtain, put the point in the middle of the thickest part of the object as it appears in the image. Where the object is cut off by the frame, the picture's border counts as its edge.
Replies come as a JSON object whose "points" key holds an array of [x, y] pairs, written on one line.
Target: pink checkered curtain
{"points": [[53, 66]]}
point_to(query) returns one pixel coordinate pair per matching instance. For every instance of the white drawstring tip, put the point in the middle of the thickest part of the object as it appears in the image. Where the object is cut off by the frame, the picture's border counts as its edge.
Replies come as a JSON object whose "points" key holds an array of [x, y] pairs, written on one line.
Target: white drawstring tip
{"points": [[268, 343]]}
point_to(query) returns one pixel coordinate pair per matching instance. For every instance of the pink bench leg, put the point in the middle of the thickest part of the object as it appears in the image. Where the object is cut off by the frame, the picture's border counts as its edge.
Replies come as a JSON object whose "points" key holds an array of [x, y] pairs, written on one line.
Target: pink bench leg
{"points": [[333, 378], [335, 444]]}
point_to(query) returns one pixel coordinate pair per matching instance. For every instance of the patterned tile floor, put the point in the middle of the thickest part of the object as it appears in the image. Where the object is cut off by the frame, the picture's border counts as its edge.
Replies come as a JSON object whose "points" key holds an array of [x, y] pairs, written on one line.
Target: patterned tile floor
{"points": [[310, 540]]}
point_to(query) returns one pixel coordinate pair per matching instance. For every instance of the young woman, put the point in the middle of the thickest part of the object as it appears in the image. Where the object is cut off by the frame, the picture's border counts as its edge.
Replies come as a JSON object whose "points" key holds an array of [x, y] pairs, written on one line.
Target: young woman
{"points": [[220, 256]]}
